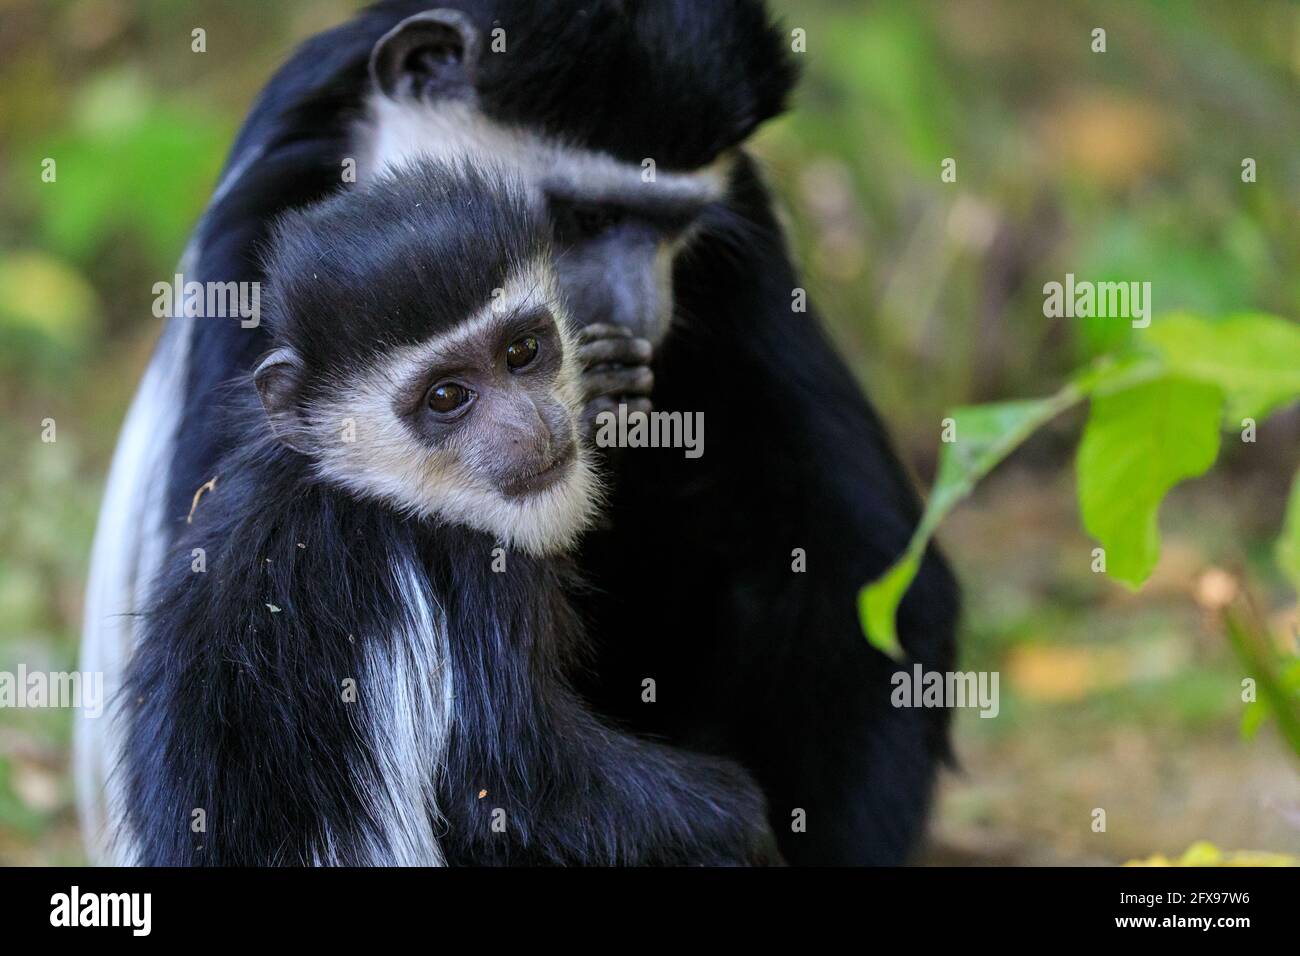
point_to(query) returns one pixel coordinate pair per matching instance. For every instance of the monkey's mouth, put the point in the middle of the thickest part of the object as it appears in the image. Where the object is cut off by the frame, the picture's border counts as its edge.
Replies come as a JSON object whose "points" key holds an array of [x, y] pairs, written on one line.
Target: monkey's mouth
{"points": [[553, 473]]}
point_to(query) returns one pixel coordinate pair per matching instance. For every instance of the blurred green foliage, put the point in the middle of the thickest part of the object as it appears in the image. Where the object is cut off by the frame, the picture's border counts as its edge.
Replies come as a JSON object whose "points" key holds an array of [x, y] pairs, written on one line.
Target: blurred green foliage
{"points": [[120, 136], [1123, 165]]}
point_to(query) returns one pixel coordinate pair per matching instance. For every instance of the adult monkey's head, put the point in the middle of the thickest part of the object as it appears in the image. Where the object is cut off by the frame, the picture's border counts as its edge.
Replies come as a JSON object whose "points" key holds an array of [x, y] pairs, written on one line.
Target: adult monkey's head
{"points": [[621, 116]]}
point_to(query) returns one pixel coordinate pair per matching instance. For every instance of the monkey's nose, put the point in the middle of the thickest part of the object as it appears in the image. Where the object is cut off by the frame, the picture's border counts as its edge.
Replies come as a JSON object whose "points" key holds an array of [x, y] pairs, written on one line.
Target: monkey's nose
{"points": [[543, 431], [531, 438]]}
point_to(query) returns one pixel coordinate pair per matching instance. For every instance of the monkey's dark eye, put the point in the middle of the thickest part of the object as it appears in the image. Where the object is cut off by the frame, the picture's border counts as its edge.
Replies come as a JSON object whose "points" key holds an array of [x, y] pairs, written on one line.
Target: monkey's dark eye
{"points": [[521, 352], [448, 397]]}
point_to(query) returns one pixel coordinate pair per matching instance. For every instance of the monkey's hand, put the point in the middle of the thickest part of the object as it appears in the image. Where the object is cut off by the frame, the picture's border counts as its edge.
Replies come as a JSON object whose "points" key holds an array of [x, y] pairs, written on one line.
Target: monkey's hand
{"points": [[615, 371]]}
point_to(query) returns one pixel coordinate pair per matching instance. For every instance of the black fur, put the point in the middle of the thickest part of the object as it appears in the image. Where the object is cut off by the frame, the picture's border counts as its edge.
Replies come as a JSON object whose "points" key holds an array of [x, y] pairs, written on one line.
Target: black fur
{"points": [[577, 790], [358, 275], [235, 691], [694, 577]]}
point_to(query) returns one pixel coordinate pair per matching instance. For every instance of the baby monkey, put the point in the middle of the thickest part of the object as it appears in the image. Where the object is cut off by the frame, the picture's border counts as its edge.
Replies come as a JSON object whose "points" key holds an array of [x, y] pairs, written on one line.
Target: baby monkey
{"points": [[370, 664]]}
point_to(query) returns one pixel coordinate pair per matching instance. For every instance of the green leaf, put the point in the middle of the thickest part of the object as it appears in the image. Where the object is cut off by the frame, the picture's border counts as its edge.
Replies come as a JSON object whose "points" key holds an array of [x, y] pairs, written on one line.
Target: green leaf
{"points": [[878, 604], [1186, 273], [1287, 685], [1288, 546], [1138, 444], [1254, 358], [983, 435], [1253, 718]]}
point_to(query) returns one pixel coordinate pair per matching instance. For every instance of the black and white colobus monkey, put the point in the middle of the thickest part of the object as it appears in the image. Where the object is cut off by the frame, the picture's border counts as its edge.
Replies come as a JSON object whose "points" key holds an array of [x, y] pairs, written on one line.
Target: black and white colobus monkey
{"points": [[694, 570], [360, 676]]}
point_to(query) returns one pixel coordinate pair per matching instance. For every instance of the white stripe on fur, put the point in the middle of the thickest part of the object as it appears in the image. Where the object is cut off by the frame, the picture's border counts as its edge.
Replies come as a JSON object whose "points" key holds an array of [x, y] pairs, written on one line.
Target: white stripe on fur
{"points": [[396, 132], [124, 561], [407, 691]]}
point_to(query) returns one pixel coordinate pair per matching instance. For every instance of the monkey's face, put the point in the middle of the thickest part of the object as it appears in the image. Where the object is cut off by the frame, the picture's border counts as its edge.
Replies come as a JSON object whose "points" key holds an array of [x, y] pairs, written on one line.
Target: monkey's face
{"points": [[476, 425], [493, 399], [616, 237]]}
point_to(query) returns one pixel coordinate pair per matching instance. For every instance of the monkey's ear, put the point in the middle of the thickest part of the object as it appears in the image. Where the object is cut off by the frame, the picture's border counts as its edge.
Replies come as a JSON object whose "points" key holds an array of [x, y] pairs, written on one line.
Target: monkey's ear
{"points": [[277, 378], [432, 54]]}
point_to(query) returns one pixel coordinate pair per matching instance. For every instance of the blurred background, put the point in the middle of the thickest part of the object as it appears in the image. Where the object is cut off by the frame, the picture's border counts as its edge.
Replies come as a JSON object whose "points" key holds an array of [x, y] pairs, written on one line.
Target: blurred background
{"points": [[1122, 165]]}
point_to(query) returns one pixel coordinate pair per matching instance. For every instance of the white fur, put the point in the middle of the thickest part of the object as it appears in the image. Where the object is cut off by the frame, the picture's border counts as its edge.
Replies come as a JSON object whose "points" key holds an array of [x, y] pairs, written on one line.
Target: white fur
{"points": [[388, 462], [126, 557], [408, 693], [395, 132]]}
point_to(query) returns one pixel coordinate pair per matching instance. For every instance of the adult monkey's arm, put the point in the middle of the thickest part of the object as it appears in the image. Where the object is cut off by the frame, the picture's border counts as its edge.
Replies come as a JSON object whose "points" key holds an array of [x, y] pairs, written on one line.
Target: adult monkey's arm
{"points": [[694, 573]]}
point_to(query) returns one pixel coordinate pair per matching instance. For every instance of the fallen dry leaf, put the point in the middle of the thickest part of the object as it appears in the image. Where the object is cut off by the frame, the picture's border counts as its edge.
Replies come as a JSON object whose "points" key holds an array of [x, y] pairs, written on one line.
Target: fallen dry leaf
{"points": [[209, 485]]}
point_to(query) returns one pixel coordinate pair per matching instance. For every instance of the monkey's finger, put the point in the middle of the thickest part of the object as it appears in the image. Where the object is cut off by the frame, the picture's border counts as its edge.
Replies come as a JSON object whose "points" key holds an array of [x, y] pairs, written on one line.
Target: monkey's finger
{"points": [[627, 351], [610, 403], [603, 330], [592, 411], [633, 380]]}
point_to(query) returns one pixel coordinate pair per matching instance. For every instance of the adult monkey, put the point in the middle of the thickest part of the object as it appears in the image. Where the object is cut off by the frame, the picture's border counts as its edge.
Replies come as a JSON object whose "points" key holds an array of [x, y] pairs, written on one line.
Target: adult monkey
{"points": [[694, 585]]}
